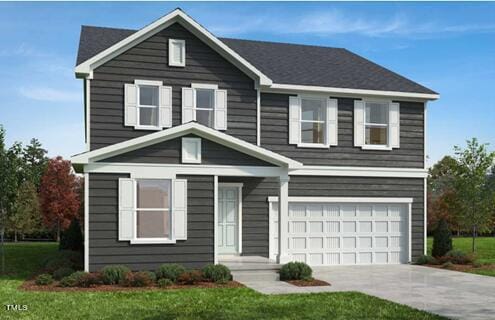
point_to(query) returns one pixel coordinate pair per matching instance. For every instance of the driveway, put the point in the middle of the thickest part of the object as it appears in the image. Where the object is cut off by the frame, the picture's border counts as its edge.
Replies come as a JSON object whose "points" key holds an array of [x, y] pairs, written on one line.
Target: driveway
{"points": [[448, 293]]}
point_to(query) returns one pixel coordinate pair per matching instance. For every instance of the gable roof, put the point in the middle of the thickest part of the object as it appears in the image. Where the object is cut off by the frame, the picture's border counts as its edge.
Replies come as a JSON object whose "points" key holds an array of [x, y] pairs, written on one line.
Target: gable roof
{"points": [[284, 65], [179, 131]]}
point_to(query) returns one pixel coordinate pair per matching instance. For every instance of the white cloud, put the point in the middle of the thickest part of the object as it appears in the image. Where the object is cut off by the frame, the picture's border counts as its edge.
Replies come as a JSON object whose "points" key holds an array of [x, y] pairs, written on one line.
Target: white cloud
{"points": [[49, 94]]}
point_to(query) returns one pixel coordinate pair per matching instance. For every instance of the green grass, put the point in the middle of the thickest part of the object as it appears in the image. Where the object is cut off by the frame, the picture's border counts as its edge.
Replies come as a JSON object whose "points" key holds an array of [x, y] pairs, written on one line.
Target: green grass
{"points": [[238, 303]]}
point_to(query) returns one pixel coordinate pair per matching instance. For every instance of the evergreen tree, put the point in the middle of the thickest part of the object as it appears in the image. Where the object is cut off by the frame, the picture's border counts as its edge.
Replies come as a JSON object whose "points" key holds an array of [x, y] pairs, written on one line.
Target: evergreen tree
{"points": [[442, 239]]}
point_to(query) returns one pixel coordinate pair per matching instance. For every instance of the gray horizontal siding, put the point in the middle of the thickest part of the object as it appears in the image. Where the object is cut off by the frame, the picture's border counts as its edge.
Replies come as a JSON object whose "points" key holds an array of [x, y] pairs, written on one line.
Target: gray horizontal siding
{"points": [[275, 137], [255, 193], [149, 61], [171, 152], [105, 249], [312, 186]]}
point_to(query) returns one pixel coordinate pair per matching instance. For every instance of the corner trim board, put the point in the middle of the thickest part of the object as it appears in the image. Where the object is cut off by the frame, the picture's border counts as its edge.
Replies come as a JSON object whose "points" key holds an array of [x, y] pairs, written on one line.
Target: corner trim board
{"points": [[86, 222]]}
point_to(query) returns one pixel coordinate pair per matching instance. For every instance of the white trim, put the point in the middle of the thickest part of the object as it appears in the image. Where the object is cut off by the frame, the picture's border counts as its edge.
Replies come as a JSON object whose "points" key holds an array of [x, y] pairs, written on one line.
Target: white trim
{"points": [[409, 224], [181, 130], [284, 88], [152, 241], [425, 131], [360, 171], [171, 59], [345, 199], [86, 68], [425, 218], [375, 146], [283, 216], [258, 117], [86, 222], [88, 113], [239, 186], [197, 144], [204, 86], [153, 83], [313, 145], [215, 219]]}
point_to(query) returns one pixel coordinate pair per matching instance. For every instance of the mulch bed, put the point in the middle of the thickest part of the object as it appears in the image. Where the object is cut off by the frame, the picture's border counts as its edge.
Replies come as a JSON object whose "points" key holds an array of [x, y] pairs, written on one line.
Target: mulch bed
{"points": [[463, 267], [31, 286], [308, 283]]}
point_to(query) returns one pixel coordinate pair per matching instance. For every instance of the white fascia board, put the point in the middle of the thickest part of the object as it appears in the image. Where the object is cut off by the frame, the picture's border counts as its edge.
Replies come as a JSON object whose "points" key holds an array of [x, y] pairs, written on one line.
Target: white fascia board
{"points": [[359, 172], [86, 68], [292, 88], [344, 200], [188, 128]]}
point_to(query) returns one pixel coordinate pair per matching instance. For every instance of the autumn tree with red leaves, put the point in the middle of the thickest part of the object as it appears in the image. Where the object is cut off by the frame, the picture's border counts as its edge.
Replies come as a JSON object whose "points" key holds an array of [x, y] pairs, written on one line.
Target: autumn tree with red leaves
{"points": [[59, 196]]}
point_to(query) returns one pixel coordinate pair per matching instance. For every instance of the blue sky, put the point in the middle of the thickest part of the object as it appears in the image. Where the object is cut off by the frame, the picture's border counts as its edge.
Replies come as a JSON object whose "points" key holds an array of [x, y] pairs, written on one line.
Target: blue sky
{"points": [[449, 47]]}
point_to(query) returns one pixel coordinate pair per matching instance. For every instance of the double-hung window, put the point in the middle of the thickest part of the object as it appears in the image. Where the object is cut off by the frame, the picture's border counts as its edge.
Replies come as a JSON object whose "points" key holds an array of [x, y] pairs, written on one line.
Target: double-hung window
{"points": [[313, 119], [148, 106], [376, 123], [205, 104], [153, 214]]}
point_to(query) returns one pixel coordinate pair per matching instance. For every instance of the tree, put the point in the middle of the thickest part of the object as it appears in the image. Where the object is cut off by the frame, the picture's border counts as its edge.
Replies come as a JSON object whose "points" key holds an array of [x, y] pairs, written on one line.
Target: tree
{"points": [[72, 238], [58, 195], [475, 198], [442, 239], [9, 181], [35, 161], [25, 215]]}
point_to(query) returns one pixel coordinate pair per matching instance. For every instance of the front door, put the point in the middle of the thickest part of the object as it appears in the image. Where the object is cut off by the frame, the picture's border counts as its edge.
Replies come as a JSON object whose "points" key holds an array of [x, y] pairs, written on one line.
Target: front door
{"points": [[228, 220]]}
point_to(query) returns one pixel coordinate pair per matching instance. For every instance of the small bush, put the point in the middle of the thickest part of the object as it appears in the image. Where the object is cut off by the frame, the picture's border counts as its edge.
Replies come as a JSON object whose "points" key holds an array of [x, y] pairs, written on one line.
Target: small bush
{"points": [[217, 273], [72, 238], [477, 264], [170, 271], [447, 265], [89, 279], [62, 272], [442, 239], [426, 260], [163, 283], [114, 274], [457, 257], [190, 277], [44, 279], [72, 280], [64, 259], [139, 279], [296, 271]]}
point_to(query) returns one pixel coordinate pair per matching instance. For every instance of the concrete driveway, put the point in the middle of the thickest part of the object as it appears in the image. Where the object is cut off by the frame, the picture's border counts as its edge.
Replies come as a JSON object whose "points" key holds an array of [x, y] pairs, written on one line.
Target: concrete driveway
{"points": [[448, 293]]}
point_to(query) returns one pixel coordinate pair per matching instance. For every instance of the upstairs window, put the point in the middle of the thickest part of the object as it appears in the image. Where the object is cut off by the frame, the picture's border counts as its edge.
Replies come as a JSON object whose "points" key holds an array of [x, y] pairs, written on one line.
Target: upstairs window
{"points": [[376, 123], [148, 106], [313, 121], [205, 104], [176, 53]]}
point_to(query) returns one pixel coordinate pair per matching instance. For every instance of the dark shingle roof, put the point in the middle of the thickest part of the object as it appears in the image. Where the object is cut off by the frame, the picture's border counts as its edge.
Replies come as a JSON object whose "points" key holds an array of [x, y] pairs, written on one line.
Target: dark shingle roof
{"points": [[284, 63]]}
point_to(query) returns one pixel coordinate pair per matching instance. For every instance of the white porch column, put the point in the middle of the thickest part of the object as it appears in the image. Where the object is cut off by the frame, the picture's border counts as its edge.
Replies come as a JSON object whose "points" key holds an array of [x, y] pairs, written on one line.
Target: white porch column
{"points": [[283, 214]]}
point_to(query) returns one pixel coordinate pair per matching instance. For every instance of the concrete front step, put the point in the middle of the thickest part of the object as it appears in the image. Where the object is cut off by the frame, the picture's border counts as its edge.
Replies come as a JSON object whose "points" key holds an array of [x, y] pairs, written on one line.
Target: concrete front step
{"points": [[248, 266], [250, 276]]}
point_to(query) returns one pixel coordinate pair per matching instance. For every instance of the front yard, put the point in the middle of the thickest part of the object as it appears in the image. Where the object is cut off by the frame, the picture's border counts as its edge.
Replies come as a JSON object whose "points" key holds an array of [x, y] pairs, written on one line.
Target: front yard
{"points": [[485, 253], [234, 303]]}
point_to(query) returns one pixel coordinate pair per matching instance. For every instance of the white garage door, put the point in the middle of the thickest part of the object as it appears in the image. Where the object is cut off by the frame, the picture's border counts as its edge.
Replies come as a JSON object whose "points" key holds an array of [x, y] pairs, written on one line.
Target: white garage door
{"points": [[345, 233]]}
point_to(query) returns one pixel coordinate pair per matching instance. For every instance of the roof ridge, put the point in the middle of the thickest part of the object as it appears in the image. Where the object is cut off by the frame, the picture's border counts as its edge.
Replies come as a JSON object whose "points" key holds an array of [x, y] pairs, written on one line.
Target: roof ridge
{"points": [[283, 43]]}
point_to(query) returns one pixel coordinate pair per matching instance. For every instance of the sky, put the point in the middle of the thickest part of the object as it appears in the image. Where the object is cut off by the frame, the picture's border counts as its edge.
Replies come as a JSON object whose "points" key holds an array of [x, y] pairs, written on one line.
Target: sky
{"points": [[448, 47]]}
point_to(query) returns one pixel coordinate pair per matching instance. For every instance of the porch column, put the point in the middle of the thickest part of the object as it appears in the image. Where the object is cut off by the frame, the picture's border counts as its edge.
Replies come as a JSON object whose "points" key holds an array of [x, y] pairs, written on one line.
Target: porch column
{"points": [[283, 214]]}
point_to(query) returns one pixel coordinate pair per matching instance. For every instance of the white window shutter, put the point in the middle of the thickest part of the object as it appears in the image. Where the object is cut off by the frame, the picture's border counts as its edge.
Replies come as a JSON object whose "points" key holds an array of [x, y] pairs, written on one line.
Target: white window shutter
{"points": [[179, 208], [358, 123], [165, 107], [221, 109], [294, 120], [126, 208], [394, 124], [332, 122], [130, 104], [188, 105]]}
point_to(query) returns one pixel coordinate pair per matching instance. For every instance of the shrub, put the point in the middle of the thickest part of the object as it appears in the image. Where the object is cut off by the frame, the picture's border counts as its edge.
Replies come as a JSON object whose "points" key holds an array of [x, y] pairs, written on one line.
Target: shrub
{"points": [[72, 280], [62, 272], [163, 283], [72, 238], [217, 273], [170, 271], [87, 280], [457, 257], [138, 279], [442, 239], [64, 259], [190, 277], [114, 274], [426, 260], [447, 264], [44, 279], [295, 271]]}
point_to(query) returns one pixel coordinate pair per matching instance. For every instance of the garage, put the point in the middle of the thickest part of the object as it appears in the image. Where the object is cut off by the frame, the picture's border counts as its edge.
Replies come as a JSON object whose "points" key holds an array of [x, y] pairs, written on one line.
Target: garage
{"points": [[333, 231]]}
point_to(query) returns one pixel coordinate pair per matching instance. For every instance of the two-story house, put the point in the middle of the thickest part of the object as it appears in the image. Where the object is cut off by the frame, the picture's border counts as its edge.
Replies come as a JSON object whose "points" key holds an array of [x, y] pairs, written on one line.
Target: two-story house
{"points": [[201, 147]]}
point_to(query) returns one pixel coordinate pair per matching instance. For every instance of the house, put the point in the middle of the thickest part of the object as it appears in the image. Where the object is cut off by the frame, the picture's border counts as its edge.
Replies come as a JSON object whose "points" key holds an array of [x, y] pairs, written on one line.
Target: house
{"points": [[201, 148]]}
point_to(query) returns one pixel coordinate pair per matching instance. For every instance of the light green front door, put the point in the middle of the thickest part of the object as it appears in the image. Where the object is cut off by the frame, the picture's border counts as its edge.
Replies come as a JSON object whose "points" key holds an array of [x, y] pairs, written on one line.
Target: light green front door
{"points": [[228, 220]]}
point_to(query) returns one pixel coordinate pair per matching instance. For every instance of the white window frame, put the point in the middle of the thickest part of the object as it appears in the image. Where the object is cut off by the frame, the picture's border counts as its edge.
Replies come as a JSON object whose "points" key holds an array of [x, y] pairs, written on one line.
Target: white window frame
{"points": [[323, 100], [171, 59], [135, 239], [205, 86], [148, 83], [377, 125]]}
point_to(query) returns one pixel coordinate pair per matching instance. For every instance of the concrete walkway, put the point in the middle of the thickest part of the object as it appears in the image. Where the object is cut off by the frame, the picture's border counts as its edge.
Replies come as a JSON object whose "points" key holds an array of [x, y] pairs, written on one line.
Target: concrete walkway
{"points": [[451, 294]]}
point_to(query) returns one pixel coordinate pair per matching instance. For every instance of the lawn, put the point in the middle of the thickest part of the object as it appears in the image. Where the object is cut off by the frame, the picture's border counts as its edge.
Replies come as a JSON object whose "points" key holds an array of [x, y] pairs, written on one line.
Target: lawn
{"points": [[485, 251], [238, 303]]}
